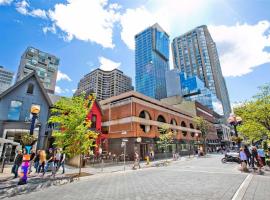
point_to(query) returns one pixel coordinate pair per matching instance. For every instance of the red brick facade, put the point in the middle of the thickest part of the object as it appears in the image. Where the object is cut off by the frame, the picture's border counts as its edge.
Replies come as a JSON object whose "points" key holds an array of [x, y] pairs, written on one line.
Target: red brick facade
{"points": [[124, 113]]}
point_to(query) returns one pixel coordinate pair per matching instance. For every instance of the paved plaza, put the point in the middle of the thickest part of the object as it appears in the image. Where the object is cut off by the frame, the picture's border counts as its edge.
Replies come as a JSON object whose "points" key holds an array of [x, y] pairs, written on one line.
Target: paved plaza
{"points": [[197, 178]]}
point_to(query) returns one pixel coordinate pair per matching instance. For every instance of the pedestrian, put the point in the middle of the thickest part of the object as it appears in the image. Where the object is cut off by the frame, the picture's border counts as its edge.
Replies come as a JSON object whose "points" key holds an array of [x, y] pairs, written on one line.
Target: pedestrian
{"points": [[50, 161], [36, 161], [17, 163], [248, 154], [261, 154], [31, 161], [62, 160], [57, 158], [243, 158], [152, 155], [42, 162], [136, 160], [60, 157], [255, 159]]}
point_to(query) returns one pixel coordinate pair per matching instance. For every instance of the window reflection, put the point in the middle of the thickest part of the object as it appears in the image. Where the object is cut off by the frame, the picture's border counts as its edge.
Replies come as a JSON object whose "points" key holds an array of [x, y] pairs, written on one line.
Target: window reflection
{"points": [[14, 110]]}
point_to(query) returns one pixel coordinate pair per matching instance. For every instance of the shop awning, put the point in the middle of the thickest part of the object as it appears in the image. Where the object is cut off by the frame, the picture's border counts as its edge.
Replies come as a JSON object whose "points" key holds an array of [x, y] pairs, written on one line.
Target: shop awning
{"points": [[6, 141]]}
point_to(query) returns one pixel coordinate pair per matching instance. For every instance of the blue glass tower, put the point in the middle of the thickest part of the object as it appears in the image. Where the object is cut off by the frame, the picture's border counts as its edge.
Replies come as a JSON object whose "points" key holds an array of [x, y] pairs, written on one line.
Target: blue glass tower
{"points": [[152, 61], [195, 53]]}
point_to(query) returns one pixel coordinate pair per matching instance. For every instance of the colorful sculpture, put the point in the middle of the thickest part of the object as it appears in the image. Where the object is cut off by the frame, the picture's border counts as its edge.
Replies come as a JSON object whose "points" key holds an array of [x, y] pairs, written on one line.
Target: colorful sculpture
{"points": [[28, 142]]}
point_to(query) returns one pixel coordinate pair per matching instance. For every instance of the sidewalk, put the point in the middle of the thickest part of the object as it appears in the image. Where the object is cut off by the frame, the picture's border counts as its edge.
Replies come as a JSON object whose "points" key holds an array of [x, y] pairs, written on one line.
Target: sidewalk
{"points": [[9, 186], [97, 169]]}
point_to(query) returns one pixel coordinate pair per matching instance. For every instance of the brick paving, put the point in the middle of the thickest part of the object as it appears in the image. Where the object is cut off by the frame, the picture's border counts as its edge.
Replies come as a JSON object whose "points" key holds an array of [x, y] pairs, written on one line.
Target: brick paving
{"points": [[198, 178]]}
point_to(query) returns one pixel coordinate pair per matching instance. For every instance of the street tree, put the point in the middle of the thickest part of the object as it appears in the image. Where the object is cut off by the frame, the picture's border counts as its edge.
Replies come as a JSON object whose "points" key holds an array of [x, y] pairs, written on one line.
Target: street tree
{"points": [[203, 126], [166, 137], [72, 132], [255, 115]]}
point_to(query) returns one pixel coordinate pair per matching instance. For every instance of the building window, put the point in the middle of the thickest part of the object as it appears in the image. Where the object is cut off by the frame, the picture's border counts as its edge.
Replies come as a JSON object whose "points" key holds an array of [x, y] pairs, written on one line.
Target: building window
{"points": [[161, 119], [183, 124], [14, 110], [145, 115], [173, 122], [30, 88], [192, 127], [94, 121]]}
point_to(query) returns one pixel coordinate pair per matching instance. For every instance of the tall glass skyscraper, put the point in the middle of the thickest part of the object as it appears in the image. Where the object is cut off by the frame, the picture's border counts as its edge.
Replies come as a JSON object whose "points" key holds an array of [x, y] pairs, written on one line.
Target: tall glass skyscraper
{"points": [[152, 61], [195, 53]]}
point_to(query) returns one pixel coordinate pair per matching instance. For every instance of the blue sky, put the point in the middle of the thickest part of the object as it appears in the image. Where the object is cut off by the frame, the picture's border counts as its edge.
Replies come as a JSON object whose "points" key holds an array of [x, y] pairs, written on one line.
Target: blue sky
{"points": [[86, 34]]}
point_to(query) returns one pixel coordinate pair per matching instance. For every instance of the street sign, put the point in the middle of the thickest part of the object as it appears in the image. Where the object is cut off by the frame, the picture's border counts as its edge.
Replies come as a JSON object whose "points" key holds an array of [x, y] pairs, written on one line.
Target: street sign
{"points": [[124, 140]]}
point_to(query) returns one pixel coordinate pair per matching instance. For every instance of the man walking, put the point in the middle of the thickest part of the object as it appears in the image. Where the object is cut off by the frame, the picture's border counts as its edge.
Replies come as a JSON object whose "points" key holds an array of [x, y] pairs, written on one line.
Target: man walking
{"points": [[248, 154], [136, 160], [50, 162], [17, 163]]}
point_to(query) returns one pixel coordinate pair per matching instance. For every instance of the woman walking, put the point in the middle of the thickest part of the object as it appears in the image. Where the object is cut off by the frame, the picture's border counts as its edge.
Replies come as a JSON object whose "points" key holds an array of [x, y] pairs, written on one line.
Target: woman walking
{"points": [[42, 161], [36, 161], [243, 158]]}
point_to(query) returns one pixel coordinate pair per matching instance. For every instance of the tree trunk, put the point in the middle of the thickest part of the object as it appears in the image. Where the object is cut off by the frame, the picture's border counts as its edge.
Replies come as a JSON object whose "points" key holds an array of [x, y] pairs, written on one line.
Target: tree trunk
{"points": [[80, 165], [205, 148]]}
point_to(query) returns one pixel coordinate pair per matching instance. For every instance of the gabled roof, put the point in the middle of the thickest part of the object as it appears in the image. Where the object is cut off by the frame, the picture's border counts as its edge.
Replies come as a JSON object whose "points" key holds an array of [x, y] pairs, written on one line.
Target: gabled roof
{"points": [[99, 107], [17, 84]]}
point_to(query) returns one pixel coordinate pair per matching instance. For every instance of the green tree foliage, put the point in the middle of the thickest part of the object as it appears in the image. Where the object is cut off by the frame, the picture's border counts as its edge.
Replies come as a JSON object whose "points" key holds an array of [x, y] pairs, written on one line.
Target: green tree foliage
{"points": [[73, 133], [256, 115], [166, 138], [203, 126]]}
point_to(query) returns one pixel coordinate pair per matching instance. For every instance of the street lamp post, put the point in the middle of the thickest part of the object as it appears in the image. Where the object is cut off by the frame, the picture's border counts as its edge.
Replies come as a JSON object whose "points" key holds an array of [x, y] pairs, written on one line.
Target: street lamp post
{"points": [[234, 121], [197, 138], [26, 157], [124, 144]]}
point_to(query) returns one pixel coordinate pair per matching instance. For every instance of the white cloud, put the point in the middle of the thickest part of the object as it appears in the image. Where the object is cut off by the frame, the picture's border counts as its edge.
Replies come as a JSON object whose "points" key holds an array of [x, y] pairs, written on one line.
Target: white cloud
{"points": [[5, 2], [23, 7], [237, 104], [107, 64], [133, 21], [73, 90], [169, 14], [39, 13], [62, 76], [49, 29], [87, 20], [241, 47], [58, 90]]}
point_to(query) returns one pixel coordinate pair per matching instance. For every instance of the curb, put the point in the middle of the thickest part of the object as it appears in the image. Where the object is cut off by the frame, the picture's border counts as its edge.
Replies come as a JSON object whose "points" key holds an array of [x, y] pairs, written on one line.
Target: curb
{"points": [[22, 189]]}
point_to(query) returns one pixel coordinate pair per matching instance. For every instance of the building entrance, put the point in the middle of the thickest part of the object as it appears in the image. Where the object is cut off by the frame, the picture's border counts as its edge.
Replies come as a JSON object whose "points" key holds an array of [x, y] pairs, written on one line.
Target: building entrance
{"points": [[144, 149]]}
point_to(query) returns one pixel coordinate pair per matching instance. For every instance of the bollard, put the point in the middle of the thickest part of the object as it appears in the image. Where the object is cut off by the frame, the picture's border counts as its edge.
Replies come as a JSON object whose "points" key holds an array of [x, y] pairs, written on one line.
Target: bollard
{"points": [[147, 160], [102, 165]]}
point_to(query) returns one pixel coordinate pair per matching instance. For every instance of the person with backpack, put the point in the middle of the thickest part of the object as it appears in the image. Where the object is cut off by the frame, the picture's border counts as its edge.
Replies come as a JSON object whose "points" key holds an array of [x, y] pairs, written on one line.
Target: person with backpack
{"points": [[261, 154]]}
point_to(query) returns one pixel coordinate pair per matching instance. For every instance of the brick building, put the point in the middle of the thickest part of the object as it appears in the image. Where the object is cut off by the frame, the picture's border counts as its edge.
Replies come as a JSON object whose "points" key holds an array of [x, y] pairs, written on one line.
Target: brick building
{"points": [[140, 117], [195, 108]]}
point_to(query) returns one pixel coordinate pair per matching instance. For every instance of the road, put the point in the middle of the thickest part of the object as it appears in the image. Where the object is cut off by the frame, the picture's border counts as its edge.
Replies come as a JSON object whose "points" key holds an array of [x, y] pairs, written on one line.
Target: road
{"points": [[198, 178]]}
